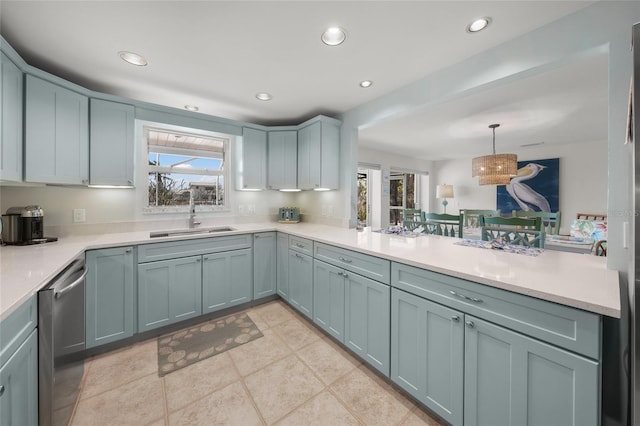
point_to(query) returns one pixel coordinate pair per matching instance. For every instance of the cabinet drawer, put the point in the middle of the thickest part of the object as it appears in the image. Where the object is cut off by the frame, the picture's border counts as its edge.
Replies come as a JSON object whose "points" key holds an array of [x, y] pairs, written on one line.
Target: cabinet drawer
{"points": [[16, 328], [363, 264], [184, 248], [301, 245], [570, 328]]}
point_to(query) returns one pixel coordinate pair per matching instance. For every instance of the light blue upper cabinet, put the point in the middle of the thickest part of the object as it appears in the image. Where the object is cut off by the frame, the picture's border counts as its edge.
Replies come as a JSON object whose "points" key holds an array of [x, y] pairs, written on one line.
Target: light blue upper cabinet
{"points": [[11, 124], [264, 264], [251, 159], [56, 134], [283, 159], [111, 158], [319, 154]]}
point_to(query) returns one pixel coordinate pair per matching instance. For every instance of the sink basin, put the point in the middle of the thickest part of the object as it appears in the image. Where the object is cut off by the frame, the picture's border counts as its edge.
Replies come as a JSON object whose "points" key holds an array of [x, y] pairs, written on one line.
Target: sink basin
{"points": [[179, 232]]}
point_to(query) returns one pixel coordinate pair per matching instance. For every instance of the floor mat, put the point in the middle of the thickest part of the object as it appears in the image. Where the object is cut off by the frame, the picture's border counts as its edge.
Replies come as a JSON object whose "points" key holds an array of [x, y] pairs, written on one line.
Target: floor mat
{"points": [[192, 344]]}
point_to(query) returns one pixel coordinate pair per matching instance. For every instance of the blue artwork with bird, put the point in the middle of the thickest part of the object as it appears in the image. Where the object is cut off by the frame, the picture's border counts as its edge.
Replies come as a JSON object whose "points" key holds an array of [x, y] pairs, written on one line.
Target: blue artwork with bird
{"points": [[535, 188]]}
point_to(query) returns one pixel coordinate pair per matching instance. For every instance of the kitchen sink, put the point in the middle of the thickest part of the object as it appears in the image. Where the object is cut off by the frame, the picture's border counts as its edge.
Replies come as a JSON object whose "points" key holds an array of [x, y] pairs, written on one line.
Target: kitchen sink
{"points": [[178, 232]]}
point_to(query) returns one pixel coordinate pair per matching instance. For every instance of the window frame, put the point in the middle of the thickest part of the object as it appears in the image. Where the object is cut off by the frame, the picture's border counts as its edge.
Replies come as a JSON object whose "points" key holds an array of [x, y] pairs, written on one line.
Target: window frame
{"points": [[228, 139]]}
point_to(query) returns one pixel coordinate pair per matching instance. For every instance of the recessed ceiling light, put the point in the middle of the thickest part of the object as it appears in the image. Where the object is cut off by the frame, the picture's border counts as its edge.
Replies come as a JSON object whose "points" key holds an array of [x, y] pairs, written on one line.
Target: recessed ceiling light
{"points": [[366, 83], [264, 96], [478, 25], [191, 108], [333, 36], [133, 58]]}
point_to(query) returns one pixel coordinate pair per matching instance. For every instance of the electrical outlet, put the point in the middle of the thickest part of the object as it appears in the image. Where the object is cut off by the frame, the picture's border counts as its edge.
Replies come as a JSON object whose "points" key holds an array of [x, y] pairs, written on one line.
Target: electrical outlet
{"points": [[251, 209], [79, 215]]}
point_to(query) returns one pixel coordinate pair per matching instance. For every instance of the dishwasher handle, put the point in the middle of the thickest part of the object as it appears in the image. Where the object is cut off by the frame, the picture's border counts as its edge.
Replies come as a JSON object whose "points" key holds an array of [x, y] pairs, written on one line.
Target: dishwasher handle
{"points": [[68, 288]]}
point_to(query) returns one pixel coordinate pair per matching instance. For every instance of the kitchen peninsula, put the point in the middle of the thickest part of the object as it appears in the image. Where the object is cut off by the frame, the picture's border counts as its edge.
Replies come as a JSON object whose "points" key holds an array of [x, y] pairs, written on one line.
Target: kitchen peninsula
{"points": [[387, 298]]}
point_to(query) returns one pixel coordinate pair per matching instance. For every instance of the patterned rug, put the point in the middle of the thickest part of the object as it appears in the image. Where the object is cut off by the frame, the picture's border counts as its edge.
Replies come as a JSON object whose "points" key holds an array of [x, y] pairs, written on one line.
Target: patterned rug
{"points": [[190, 345]]}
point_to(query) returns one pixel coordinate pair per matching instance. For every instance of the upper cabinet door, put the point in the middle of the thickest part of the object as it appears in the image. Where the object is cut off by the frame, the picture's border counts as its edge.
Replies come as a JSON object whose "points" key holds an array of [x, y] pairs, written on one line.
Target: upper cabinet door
{"points": [[251, 159], [56, 134], [11, 121], [283, 162], [319, 155], [111, 159]]}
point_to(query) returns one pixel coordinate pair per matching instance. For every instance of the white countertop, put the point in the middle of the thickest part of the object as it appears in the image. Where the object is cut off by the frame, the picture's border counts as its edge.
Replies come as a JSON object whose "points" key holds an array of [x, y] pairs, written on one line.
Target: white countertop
{"points": [[578, 280]]}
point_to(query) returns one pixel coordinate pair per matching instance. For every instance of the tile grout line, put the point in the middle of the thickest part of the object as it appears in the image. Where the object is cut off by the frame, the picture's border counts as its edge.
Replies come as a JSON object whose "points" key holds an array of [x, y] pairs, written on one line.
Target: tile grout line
{"points": [[247, 391], [165, 406]]}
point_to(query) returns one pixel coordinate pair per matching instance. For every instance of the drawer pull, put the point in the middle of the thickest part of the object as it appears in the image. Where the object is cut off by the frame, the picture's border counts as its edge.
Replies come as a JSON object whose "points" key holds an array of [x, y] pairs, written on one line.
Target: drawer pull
{"points": [[299, 256], [1, 390], [342, 259], [345, 275], [299, 245], [340, 274], [462, 296], [455, 318], [470, 324]]}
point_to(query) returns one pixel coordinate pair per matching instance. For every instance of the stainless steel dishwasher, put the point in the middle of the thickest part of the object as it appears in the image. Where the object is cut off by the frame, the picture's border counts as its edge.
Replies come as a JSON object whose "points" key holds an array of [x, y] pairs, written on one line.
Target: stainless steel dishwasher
{"points": [[61, 344]]}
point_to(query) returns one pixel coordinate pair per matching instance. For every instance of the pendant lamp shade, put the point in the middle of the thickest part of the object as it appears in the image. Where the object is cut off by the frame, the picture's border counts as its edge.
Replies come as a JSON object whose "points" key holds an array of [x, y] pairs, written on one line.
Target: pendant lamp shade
{"points": [[495, 169]]}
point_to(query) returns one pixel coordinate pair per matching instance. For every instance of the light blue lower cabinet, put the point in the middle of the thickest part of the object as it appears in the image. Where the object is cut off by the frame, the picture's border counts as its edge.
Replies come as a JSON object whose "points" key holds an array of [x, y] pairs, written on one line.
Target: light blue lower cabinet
{"points": [[282, 261], [367, 320], [427, 353], [264, 264], [169, 291], [19, 385], [109, 296], [226, 279], [511, 379], [301, 282], [328, 298]]}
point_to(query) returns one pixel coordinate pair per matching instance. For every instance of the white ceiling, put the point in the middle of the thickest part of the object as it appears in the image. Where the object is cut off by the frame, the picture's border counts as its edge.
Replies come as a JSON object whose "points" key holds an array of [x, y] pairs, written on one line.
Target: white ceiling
{"points": [[218, 55]]}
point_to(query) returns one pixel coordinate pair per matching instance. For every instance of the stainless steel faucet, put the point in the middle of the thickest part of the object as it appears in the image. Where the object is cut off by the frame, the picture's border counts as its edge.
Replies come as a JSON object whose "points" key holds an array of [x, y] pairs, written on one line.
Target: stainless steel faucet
{"points": [[192, 210]]}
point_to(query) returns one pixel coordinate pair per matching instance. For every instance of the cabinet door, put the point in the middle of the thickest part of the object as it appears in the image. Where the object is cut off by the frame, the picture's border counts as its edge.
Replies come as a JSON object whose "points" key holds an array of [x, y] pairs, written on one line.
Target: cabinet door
{"points": [[427, 353], [111, 143], [11, 120], [109, 295], [169, 291], [282, 274], [251, 159], [367, 320], [328, 298], [19, 385], [56, 134], [511, 379], [226, 279], [301, 282], [264, 264], [283, 160], [309, 156]]}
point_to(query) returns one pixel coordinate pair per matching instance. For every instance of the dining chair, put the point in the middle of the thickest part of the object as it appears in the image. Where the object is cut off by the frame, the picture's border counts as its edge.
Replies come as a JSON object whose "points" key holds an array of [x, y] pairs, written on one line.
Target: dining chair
{"points": [[412, 218], [448, 225], [470, 216], [550, 220], [514, 230], [591, 216]]}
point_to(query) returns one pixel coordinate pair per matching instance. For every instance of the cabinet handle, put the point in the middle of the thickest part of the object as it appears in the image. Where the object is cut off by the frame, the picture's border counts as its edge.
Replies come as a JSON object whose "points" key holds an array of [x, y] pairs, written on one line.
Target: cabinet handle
{"points": [[342, 259], [299, 245], [130, 182], [462, 296], [256, 236], [128, 251], [198, 260], [455, 318], [345, 275], [299, 255], [470, 324], [1, 390], [340, 273], [205, 258]]}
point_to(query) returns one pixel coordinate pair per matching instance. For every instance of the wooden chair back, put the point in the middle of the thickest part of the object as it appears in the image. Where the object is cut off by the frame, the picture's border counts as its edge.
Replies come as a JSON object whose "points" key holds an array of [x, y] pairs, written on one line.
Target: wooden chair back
{"points": [[550, 220], [514, 230], [448, 225], [471, 216], [591, 216]]}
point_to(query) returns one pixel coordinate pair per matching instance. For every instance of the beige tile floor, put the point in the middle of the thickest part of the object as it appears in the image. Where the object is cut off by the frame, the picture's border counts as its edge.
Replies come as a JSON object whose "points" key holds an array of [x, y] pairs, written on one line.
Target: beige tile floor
{"points": [[294, 375]]}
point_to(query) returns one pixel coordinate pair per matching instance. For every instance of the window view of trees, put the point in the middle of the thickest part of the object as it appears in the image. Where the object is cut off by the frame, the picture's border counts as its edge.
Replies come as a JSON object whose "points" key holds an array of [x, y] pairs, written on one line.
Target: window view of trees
{"points": [[362, 199], [179, 164], [402, 195]]}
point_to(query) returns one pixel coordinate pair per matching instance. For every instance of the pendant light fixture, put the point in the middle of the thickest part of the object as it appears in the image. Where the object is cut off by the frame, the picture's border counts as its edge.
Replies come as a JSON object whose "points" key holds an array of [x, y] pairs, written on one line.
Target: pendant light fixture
{"points": [[495, 169]]}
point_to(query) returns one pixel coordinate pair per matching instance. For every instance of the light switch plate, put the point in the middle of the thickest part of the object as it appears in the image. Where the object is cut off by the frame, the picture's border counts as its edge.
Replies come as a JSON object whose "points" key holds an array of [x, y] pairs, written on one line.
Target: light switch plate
{"points": [[79, 215]]}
